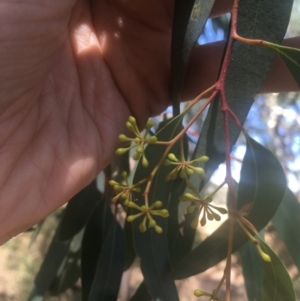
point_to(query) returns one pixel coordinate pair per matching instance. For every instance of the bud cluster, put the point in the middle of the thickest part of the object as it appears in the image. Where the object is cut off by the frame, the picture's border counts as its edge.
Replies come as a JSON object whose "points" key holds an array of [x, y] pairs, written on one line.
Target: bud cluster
{"points": [[184, 168], [139, 141], [124, 191], [147, 213], [204, 206]]}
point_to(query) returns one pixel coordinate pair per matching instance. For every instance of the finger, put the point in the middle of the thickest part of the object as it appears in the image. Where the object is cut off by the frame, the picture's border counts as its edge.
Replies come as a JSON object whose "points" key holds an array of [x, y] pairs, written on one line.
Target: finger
{"points": [[205, 63], [221, 7]]}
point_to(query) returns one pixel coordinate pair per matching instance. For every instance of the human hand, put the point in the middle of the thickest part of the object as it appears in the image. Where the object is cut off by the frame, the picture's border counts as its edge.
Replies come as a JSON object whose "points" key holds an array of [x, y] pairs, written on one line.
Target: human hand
{"points": [[71, 74]]}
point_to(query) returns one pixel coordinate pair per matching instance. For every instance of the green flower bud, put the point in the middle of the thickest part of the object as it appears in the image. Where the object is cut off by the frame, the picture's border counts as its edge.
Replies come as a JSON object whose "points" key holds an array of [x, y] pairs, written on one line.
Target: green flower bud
{"points": [[203, 220], [220, 209], [172, 157], [199, 171], [163, 212], [140, 150], [131, 218], [123, 138], [136, 156], [129, 126], [156, 204], [199, 293], [142, 225], [132, 120], [152, 223], [152, 139], [189, 171], [145, 162], [113, 183], [202, 159], [124, 174], [158, 229], [262, 254], [150, 123], [121, 151]]}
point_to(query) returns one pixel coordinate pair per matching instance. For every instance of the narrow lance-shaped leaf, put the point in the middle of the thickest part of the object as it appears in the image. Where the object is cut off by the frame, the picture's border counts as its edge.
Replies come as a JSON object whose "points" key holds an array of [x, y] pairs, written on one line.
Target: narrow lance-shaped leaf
{"points": [[150, 246], [251, 263], [56, 253], [95, 233], [69, 271], [262, 186], [287, 223], [189, 19], [290, 56], [110, 266], [247, 70], [277, 284], [78, 210]]}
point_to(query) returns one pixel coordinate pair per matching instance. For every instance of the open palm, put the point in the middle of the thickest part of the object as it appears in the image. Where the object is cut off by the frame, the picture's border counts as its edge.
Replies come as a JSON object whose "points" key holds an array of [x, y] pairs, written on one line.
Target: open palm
{"points": [[71, 74]]}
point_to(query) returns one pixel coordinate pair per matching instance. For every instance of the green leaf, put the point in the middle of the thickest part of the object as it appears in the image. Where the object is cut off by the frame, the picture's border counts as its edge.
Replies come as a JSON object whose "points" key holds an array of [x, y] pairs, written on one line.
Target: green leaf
{"points": [[247, 70], [262, 184], [277, 284], [150, 246], [130, 251], [56, 253], [251, 263], [290, 56], [95, 234], [189, 19], [69, 271], [287, 223], [78, 211], [110, 266], [265, 280]]}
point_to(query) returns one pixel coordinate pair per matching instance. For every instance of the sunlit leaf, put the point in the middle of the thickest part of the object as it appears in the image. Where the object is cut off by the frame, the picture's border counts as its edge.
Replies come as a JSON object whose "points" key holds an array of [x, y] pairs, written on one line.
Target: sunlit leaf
{"points": [[78, 210], [247, 70], [287, 223], [263, 186], [188, 22]]}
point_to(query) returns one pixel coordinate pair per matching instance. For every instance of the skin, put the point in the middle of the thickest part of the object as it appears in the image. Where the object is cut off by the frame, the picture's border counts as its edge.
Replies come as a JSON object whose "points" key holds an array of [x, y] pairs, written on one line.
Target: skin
{"points": [[71, 72]]}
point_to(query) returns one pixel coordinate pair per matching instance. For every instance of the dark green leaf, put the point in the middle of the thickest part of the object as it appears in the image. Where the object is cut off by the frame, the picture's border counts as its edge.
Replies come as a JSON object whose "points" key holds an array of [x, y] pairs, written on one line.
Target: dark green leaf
{"points": [[287, 224], [251, 263], [141, 293], [130, 251], [94, 236], [110, 266], [150, 246], [277, 284], [248, 68], [78, 211], [291, 57], [69, 271], [188, 22], [49, 268], [263, 185]]}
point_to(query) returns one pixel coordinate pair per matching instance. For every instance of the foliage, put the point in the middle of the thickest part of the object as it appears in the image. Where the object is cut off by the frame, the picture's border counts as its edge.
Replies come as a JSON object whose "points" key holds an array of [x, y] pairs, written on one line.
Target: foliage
{"points": [[166, 175]]}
